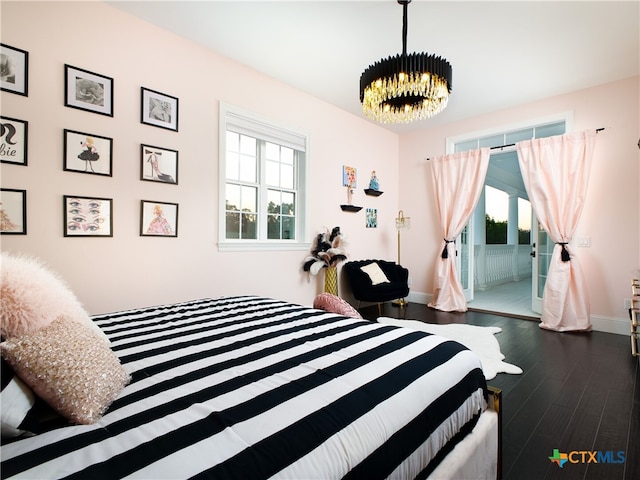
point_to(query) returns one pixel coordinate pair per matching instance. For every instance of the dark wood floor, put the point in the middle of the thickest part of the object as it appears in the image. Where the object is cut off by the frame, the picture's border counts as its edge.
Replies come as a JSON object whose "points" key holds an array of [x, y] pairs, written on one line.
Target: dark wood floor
{"points": [[578, 392]]}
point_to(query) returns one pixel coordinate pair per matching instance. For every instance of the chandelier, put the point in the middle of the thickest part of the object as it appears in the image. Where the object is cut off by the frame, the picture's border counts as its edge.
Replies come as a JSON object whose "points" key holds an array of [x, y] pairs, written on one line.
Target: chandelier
{"points": [[405, 88]]}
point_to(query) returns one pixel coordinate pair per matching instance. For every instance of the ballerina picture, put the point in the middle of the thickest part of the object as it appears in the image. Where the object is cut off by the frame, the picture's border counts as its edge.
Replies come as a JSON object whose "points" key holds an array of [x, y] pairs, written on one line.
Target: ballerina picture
{"points": [[87, 153]]}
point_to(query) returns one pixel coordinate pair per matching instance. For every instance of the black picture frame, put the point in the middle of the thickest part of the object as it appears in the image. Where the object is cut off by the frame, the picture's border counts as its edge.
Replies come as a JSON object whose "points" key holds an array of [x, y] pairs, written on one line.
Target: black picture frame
{"points": [[88, 91], [87, 153], [158, 164], [87, 216], [14, 64], [158, 219], [13, 211], [14, 136], [158, 109]]}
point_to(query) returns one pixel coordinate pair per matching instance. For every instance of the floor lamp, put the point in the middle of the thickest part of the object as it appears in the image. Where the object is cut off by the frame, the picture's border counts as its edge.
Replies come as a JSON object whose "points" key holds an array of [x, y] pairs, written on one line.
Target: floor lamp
{"points": [[402, 223]]}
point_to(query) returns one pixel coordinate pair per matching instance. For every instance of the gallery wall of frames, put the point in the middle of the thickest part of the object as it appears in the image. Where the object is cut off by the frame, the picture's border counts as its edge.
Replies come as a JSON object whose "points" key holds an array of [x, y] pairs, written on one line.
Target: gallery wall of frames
{"points": [[88, 153]]}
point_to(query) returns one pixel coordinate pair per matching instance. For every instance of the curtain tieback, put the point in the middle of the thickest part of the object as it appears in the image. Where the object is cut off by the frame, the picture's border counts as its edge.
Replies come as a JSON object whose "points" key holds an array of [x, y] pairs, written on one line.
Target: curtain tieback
{"points": [[565, 253], [445, 253]]}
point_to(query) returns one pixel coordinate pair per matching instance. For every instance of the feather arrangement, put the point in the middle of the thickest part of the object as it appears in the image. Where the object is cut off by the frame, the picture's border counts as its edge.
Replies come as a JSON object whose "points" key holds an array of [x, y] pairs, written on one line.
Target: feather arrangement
{"points": [[328, 250]]}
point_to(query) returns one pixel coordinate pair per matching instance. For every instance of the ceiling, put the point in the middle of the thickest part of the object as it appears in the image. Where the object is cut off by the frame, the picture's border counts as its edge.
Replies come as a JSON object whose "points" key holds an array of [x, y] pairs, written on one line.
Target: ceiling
{"points": [[503, 53]]}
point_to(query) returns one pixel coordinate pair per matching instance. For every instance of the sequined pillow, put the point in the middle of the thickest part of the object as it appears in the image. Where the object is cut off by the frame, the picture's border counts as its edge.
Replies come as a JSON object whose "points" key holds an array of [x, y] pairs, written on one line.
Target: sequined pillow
{"points": [[330, 303], [69, 367]]}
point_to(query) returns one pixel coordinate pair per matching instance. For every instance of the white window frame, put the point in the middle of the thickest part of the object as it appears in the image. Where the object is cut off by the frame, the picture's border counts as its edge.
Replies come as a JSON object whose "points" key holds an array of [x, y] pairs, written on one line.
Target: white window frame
{"points": [[270, 131]]}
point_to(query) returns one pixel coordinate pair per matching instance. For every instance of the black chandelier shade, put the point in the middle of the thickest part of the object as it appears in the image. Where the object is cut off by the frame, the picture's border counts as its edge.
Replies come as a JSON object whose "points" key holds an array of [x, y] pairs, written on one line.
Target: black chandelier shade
{"points": [[405, 87], [413, 62]]}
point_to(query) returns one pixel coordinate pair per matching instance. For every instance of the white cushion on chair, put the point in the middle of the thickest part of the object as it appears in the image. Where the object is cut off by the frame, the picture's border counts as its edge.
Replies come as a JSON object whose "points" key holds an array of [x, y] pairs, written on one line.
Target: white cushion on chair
{"points": [[375, 273]]}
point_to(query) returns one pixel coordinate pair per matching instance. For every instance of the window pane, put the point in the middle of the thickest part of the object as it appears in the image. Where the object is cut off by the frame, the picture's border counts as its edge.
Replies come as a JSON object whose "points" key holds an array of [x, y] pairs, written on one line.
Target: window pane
{"points": [[273, 151], [273, 227], [519, 136], [249, 199], [465, 146], [550, 130], [286, 155], [288, 203], [233, 142], [273, 200], [233, 166], [492, 141], [248, 145], [248, 170], [249, 229], [288, 228], [232, 197], [272, 174], [233, 225], [286, 176]]}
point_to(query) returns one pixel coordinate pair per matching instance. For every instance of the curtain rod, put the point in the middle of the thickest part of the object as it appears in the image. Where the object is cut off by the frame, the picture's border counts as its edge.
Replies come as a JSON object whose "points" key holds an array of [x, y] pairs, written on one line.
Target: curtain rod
{"points": [[513, 144]]}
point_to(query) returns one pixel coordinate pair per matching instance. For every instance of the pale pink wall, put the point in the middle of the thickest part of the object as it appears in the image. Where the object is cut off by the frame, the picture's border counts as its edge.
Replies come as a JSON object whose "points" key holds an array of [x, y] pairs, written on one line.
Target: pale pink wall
{"points": [[610, 217], [128, 270]]}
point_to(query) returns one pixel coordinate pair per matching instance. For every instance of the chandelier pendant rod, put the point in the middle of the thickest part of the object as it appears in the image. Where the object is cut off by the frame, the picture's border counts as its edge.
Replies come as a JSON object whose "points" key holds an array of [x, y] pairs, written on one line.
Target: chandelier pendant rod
{"points": [[405, 8]]}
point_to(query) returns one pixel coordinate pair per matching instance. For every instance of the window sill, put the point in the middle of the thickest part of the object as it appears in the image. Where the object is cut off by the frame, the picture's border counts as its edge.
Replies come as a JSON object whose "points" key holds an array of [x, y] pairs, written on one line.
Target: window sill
{"points": [[256, 246]]}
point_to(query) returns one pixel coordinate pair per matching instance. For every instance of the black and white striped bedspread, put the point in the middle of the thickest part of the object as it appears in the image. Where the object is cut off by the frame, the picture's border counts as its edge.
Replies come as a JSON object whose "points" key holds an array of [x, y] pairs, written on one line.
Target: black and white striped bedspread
{"points": [[249, 387]]}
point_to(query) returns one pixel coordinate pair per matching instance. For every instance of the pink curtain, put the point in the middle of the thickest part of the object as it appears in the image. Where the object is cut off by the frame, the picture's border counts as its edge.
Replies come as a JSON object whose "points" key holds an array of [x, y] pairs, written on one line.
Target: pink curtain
{"points": [[555, 171], [458, 180]]}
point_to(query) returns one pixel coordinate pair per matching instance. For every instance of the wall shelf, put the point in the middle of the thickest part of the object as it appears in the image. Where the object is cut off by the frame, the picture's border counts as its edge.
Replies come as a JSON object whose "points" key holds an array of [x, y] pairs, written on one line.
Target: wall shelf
{"points": [[350, 208], [373, 193]]}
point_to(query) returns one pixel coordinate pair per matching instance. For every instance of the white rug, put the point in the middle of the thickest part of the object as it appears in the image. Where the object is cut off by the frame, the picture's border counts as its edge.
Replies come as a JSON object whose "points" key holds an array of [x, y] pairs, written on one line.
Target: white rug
{"points": [[480, 340]]}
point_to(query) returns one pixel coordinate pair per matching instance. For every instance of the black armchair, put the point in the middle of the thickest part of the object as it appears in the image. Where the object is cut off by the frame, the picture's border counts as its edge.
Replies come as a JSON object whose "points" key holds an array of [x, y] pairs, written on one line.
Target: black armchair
{"points": [[364, 289]]}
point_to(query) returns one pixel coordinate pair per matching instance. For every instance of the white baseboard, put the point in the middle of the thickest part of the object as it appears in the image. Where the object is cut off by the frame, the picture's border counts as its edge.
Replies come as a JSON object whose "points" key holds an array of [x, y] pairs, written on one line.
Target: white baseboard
{"points": [[619, 326], [616, 325]]}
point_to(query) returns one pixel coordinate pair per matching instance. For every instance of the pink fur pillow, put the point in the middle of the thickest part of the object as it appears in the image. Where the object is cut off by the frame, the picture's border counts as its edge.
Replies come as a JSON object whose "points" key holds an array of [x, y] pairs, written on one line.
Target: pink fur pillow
{"points": [[34, 296], [331, 303]]}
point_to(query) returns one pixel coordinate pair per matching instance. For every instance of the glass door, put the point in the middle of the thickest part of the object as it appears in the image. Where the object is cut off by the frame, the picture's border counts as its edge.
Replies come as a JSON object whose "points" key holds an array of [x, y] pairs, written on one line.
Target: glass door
{"points": [[541, 251], [464, 259]]}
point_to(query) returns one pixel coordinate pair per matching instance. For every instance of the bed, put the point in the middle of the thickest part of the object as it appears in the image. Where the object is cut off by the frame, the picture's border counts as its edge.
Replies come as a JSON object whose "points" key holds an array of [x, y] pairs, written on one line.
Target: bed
{"points": [[250, 387]]}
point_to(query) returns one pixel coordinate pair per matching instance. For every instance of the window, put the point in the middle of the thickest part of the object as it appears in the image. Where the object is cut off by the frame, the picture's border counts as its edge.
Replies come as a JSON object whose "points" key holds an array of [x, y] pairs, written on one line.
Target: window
{"points": [[262, 188]]}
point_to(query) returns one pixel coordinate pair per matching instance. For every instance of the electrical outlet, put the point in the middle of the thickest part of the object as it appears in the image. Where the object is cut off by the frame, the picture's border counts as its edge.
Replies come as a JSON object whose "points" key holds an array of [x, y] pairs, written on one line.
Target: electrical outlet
{"points": [[409, 281], [627, 303], [584, 241]]}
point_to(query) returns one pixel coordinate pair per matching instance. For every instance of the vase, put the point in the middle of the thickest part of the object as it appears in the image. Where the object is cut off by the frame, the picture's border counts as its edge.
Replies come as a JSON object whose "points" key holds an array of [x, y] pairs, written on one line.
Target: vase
{"points": [[331, 280]]}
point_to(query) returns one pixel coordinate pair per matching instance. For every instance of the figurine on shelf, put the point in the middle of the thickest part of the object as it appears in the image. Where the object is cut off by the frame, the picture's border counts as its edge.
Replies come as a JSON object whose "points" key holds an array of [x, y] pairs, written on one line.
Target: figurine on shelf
{"points": [[373, 183], [350, 191]]}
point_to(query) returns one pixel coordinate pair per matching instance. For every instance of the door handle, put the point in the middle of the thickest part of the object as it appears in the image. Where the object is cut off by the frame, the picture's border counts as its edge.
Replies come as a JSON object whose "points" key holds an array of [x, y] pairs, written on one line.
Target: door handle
{"points": [[533, 253]]}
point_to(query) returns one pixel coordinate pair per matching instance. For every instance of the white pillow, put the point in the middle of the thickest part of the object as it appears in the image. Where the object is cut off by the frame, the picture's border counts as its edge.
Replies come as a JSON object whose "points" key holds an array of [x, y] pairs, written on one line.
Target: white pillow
{"points": [[375, 273], [17, 401]]}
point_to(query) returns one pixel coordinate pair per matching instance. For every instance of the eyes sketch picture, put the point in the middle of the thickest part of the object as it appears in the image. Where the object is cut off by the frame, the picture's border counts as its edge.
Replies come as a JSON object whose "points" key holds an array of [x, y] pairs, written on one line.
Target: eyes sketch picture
{"points": [[88, 217]]}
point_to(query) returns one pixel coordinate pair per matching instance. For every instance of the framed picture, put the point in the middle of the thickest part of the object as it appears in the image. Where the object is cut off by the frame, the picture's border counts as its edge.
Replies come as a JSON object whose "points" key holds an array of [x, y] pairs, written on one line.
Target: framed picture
{"points": [[158, 164], [372, 218], [13, 211], [87, 153], [13, 141], [158, 219], [88, 91], [159, 109], [88, 216], [349, 177], [14, 65]]}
